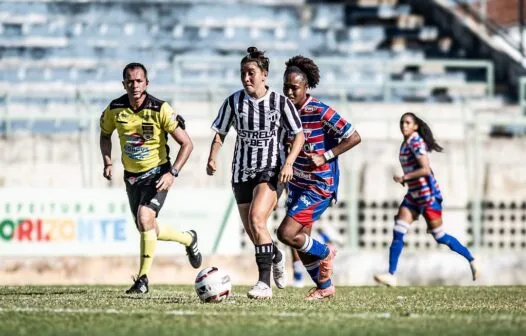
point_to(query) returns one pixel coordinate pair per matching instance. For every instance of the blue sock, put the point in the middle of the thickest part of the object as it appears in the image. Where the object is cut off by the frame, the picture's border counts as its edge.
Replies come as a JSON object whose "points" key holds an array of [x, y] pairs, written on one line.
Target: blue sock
{"points": [[297, 266], [314, 248], [443, 238], [314, 271], [324, 285], [400, 229]]}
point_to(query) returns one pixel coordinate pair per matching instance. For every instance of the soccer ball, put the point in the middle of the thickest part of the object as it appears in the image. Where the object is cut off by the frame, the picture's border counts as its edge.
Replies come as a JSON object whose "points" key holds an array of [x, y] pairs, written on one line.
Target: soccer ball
{"points": [[213, 285]]}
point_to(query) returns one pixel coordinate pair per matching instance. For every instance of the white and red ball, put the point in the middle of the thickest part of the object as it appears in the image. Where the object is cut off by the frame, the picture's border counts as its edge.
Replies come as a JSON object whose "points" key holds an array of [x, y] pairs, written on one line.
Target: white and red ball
{"points": [[213, 285]]}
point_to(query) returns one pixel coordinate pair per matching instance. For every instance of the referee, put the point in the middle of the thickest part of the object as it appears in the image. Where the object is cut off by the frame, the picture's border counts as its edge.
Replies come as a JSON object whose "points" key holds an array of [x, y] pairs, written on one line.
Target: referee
{"points": [[143, 123], [262, 117]]}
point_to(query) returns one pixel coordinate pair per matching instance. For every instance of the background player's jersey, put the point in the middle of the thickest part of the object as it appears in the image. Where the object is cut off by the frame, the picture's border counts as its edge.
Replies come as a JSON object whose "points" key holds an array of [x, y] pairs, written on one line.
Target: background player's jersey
{"points": [[143, 134], [423, 189], [323, 128], [261, 126]]}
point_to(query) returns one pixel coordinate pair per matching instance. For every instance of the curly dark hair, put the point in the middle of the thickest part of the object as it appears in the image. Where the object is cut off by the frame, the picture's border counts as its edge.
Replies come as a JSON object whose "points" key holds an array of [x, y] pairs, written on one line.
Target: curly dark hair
{"points": [[254, 55], [425, 132], [306, 67]]}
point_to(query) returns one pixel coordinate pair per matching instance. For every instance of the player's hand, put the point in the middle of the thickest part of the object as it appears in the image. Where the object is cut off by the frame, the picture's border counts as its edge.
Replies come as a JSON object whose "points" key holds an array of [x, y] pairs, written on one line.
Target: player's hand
{"points": [[165, 182], [399, 179], [285, 175], [211, 167], [106, 172], [316, 159]]}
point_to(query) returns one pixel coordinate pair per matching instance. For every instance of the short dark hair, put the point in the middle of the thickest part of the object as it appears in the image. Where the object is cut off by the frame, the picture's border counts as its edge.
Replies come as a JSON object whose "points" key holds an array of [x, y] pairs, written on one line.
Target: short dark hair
{"points": [[305, 66], [134, 65], [254, 55]]}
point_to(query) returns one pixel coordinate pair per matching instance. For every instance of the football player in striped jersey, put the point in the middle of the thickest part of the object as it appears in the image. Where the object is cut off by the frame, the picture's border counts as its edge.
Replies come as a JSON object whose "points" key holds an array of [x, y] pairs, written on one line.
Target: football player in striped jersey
{"points": [[423, 195], [314, 184]]}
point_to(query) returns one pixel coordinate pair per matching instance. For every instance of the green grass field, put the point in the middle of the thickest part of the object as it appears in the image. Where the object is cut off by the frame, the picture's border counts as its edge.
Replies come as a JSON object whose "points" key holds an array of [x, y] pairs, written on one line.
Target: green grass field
{"points": [[176, 310]]}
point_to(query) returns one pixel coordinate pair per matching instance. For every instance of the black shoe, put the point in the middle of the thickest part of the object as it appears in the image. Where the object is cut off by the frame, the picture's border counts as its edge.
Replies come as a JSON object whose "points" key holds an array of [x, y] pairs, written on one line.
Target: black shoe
{"points": [[194, 256], [140, 286]]}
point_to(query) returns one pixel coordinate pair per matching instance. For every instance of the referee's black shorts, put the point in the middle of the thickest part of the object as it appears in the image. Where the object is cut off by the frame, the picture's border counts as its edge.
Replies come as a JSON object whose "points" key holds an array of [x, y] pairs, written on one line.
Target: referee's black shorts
{"points": [[141, 189], [244, 191]]}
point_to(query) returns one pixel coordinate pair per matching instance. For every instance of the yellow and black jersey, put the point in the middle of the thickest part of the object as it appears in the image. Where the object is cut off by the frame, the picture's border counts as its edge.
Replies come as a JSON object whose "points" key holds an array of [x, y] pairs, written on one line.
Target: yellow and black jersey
{"points": [[143, 133]]}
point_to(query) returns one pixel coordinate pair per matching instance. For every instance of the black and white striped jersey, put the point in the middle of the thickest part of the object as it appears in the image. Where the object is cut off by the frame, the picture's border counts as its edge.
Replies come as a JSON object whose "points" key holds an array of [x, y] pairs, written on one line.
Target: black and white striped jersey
{"points": [[261, 125]]}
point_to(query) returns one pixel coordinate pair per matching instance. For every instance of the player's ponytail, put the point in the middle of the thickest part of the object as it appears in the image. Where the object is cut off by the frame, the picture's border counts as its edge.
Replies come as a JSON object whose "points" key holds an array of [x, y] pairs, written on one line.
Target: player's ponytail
{"points": [[254, 55], [425, 132]]}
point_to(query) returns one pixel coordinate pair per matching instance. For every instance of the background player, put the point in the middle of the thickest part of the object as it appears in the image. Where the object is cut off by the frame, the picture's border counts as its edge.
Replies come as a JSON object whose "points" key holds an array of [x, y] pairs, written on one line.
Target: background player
{"points": [[423, 196]]}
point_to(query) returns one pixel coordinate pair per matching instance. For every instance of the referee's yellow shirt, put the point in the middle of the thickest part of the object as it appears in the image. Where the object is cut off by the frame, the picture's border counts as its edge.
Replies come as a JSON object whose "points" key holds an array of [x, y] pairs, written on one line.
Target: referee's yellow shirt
{"points": [[143, 133]]}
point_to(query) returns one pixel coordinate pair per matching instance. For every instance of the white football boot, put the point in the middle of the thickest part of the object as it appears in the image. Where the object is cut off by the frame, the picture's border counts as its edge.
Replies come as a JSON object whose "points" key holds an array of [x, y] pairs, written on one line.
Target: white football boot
{"points": [[260, 291], [386, 279]]}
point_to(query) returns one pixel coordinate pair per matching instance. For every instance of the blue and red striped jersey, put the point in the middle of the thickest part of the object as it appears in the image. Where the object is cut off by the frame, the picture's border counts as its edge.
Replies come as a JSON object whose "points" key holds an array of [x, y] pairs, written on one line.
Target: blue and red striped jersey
{"points": [[423, 189], [323, 128]]}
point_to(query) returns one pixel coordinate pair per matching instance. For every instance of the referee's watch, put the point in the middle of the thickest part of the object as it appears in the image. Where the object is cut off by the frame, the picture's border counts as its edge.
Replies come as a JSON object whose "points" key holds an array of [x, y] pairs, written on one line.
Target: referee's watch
{"points": [[174, 172]]}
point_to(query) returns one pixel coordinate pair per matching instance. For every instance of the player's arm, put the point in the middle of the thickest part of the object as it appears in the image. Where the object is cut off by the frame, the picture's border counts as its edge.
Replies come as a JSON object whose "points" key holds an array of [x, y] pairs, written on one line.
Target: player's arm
{"points": [[347, 143], [295, 149], [221, 125], [216, 145], [105, 150], [183, 139], [174, 124], [342, 130], [107, 126], [424, 170], [292, 122], [186, 146]]}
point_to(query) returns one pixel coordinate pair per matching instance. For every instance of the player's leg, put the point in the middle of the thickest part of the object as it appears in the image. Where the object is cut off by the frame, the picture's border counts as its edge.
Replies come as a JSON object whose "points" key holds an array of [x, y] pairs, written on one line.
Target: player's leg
{"points": [[433, 217], [264, 199], [243, 195], [312, 265], [134, 197], [304, 208], [407, 213], [166, 232], [278, 259]]}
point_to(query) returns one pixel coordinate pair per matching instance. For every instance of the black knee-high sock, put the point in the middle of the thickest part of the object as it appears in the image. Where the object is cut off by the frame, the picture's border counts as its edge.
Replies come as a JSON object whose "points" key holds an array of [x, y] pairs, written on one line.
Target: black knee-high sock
{"points": [[264, 253], [277, 254]]}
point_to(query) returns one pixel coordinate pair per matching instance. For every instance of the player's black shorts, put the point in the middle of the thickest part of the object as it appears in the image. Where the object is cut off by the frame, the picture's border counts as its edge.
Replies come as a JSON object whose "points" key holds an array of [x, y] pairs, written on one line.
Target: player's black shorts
{"points": [[141, 189], [243, 191]]}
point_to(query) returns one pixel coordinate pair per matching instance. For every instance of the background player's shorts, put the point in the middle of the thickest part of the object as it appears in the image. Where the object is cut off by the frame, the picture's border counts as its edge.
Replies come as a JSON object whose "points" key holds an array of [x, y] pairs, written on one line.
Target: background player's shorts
{"points": [[243, 191], [141, 189], [306, 206], [430, 211]]}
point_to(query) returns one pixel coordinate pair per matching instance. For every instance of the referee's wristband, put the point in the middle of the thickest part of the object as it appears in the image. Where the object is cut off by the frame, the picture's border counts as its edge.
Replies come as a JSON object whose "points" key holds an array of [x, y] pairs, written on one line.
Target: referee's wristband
{"points": [[328, 155]]}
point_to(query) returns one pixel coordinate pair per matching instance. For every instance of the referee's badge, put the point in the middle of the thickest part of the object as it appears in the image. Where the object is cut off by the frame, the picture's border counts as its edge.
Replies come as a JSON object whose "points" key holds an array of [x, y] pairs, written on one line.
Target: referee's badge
{"points": [[147, 131]]}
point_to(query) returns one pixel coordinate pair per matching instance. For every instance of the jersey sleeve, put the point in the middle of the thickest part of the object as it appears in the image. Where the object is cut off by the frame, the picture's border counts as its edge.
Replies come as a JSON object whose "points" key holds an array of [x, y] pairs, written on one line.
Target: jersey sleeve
{"points": [[225, 117], [168, 118], [417, 146], [291, 117], [335, 125], [107, 122]]}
